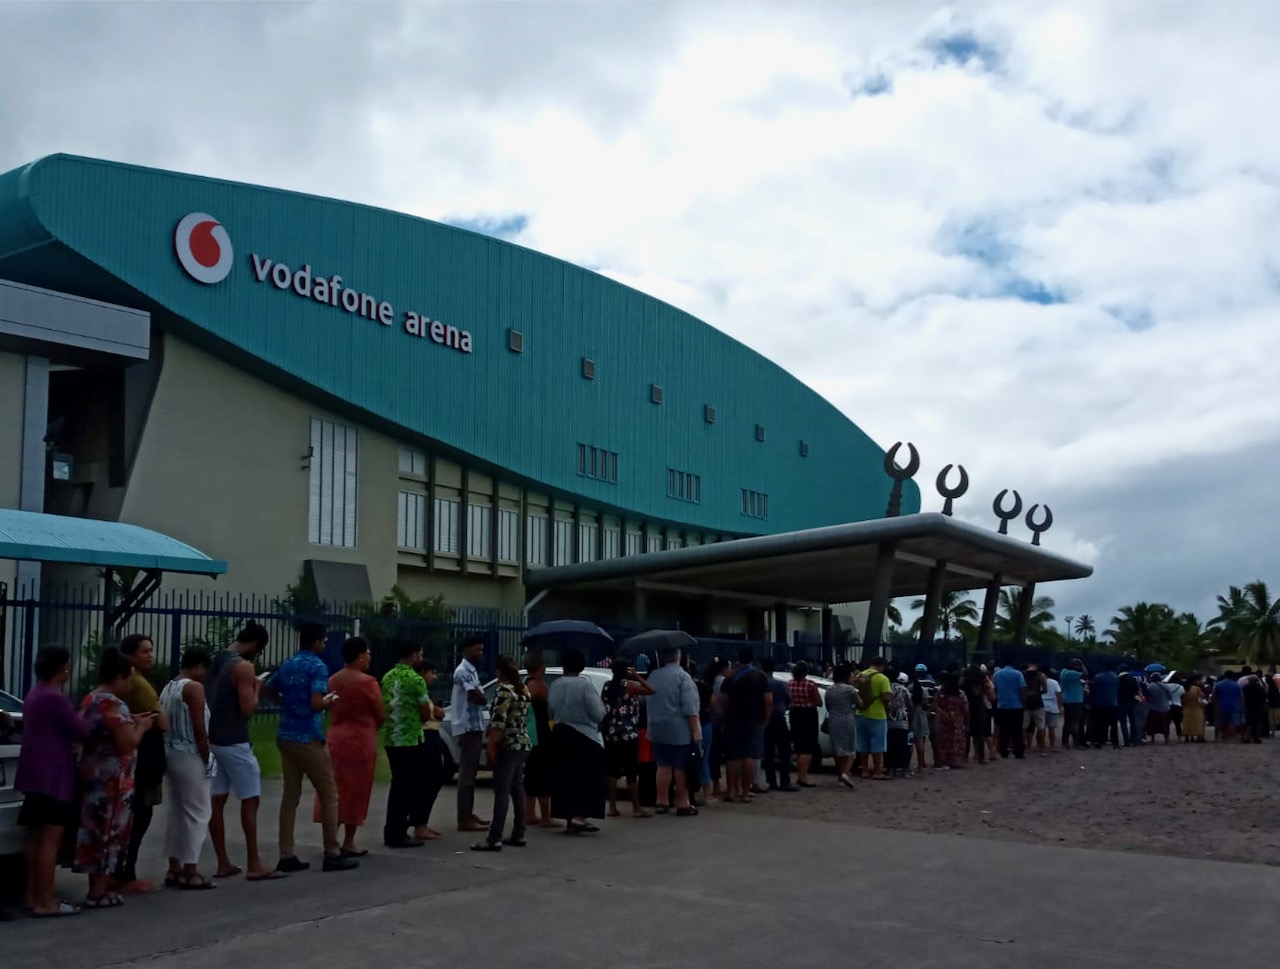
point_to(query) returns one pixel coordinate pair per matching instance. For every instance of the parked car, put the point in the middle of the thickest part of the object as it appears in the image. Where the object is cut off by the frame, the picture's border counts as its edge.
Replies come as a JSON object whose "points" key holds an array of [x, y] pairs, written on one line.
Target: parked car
{"points": [[597, 676], [12, 837]]}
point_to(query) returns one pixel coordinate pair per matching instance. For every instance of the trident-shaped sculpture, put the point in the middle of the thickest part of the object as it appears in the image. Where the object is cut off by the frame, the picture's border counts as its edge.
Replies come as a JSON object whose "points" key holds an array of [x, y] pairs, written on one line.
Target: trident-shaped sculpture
{"points": [[1008, 515], [899, 475], [1038, 529], [951, 494]]}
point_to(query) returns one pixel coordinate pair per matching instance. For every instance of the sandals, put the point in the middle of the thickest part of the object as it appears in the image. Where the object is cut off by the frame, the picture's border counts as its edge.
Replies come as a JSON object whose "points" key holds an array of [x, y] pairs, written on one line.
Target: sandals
{"points": [[195, 882], [109, 900], [63, 909], [515, 842], [487, 846], [689, 812], [572, 828]]}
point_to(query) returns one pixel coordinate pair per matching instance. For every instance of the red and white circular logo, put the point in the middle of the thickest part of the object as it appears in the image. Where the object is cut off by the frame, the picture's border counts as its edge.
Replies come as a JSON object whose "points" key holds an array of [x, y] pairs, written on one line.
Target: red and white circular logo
{"points": [[203, 248]]}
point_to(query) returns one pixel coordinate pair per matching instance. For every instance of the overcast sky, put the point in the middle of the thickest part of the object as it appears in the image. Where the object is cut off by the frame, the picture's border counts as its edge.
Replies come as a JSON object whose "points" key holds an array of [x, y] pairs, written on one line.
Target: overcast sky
{"points": [[1041, 240]]}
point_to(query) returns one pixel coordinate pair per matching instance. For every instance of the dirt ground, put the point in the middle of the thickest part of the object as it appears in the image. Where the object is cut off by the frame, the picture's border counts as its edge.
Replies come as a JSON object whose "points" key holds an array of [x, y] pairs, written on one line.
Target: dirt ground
{"points": [[1215, 801]]}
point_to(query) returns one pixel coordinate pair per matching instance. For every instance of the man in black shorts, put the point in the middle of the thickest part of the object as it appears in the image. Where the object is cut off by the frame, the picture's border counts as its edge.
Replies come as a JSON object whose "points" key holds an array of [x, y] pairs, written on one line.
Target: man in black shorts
{"points": [[748, 705]]}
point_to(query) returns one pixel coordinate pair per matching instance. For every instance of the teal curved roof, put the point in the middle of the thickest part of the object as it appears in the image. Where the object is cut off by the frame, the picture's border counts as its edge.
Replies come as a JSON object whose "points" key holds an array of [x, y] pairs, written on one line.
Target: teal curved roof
{"points": [[107, 231], [34, 537]]}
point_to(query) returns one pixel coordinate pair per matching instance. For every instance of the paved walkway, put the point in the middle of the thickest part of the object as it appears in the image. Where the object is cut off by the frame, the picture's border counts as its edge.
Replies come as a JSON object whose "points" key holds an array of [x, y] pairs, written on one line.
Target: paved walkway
{"points": [[727, 889]]}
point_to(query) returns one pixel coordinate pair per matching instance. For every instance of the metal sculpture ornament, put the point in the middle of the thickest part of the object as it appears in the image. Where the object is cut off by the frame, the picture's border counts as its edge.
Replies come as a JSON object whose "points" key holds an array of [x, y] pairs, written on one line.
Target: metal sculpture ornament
{"points": [[899, 475], [951, 494], [1038, 528], [1006, 515]]}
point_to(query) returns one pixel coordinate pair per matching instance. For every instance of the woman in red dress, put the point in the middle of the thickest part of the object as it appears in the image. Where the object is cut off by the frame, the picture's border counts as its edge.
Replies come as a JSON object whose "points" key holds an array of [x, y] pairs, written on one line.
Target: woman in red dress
{"points": [[357, 713]]}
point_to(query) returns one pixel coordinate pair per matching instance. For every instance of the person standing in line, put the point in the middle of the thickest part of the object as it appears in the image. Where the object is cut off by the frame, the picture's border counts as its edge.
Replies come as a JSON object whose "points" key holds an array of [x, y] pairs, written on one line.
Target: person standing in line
{"points": [[777, 733], [189, 767], [923, 691], [233, 692], [438, 761], [1105, 710], [1129, 695], [538, 768], [1158, 706], [406, 699], [148, 778], [1193, 707], [106, 778], [1175, 689], [1228, 708], [805, 701], [674, 728], [507, 749], [302, 684], [873, 719], [1052, 700], [1072, 684], [1010, 687], [578, 786], [47, 777], [1033, 705], [466, 717], [952, 721], [1256, 718], [897, 759], [714, 738], [979, 693], [841, 701], [358, 714], [621, 731], [748, 707]]}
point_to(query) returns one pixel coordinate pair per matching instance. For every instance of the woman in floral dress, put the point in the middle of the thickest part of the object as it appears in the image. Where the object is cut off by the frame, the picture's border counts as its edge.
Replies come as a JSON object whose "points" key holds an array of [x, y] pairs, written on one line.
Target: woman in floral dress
{"points": [[621, 730], [106, 778], [952, 710]]}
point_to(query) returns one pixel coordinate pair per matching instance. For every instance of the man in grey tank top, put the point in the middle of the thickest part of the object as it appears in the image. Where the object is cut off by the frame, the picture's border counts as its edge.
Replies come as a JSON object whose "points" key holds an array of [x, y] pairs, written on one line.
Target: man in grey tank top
{"points": [[233, 690]]}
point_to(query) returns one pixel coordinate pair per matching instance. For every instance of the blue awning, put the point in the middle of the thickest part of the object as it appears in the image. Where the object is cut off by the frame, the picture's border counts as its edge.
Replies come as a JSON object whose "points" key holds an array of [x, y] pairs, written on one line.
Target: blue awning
{"points": [[34, 537]]}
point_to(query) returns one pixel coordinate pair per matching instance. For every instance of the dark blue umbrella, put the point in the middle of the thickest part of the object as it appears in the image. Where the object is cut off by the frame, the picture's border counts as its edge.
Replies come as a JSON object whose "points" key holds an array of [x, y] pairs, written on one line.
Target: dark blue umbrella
{"points": [[1155, 667], [652, 643], [564, 634]]}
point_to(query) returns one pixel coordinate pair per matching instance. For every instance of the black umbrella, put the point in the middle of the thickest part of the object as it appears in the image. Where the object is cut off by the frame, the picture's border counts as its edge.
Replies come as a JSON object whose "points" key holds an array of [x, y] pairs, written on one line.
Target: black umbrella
{"points": [[560, 635], [654, 642]]}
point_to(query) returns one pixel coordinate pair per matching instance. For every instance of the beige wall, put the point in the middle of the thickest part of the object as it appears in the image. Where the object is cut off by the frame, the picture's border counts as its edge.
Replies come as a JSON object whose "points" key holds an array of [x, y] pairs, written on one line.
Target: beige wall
{"points": [[13, 371], [481, 591], [220, 466]]}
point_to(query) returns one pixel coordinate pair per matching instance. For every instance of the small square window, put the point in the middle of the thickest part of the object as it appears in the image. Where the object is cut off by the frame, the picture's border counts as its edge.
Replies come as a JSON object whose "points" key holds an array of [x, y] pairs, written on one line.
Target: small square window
{"points": [[655, 393], [515, 341], [804, 449], [588, 368], [709, 414], [759, 432]]}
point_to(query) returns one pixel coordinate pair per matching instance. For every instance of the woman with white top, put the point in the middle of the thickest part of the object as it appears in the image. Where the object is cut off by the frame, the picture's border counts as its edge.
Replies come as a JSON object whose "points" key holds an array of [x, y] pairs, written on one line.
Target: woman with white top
{"points": [[577, 791], [189, 769]]}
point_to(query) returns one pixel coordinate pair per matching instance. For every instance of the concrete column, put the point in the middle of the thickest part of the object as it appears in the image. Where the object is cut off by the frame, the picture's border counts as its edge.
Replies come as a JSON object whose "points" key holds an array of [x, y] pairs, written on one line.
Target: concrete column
{"points": [[780, 633], [880, 595], [639, 608], [932, 599], [990, 605], [828, 638], [756, 630], [35, 423]]}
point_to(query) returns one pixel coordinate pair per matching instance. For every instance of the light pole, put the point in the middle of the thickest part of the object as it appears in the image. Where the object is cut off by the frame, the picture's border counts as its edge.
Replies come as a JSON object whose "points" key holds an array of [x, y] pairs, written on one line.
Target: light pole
{"points": [[1068, 619]]}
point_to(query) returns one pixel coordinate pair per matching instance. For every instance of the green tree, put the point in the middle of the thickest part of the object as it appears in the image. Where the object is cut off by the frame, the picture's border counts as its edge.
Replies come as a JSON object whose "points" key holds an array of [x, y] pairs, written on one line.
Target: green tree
{"points": [[1040, 631], [1086, 629], [1249, 622], [1147, 631], [954, 613]]}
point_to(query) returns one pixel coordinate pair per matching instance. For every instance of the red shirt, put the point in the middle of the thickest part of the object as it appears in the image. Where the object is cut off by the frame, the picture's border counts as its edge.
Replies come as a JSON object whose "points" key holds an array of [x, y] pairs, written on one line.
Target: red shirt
{"points": [[804, 693]]}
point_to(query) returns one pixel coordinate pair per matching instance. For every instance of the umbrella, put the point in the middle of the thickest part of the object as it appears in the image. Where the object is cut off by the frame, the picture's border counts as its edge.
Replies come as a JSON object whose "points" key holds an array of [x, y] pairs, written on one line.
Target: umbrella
{"points": [[654, 641], [564, 634], [1155, 668]]}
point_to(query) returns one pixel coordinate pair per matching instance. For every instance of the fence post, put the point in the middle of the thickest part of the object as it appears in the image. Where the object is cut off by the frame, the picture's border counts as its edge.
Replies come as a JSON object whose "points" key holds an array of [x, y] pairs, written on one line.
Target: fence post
{"points": [[175, 642], [28, 645]]}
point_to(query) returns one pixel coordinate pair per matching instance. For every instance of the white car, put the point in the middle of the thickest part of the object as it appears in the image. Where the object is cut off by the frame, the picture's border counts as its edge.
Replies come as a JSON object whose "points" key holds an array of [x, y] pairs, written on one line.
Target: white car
{"points": [[595, 674], [12, 837]]}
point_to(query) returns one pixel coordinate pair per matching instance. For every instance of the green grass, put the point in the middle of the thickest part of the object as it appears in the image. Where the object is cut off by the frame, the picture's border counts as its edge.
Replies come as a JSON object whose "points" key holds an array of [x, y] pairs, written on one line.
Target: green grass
{"points": [[262, 734]]}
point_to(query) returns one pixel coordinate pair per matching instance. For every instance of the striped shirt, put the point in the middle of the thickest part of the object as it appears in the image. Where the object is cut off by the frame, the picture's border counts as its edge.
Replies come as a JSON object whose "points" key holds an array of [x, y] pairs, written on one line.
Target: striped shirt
{"points": [[181, 734]]}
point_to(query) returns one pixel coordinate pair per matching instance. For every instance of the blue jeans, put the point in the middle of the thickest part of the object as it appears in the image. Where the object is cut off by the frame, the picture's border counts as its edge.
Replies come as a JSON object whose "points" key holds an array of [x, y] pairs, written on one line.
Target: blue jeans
{"points": [[708, 730]]}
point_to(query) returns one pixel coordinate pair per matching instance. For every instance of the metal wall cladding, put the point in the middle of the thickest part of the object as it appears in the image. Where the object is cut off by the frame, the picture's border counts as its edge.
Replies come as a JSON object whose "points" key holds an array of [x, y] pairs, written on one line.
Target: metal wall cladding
{"points": [[522, 413]]}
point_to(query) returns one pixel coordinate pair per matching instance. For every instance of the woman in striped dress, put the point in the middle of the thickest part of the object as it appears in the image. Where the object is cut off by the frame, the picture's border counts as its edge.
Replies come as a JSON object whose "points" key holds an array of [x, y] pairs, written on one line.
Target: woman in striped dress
{"points": [[189, 769]]}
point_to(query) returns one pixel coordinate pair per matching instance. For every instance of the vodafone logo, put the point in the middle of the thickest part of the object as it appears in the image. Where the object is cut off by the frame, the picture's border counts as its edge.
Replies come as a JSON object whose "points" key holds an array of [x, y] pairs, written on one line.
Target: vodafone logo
{"points": [[203, 248]]}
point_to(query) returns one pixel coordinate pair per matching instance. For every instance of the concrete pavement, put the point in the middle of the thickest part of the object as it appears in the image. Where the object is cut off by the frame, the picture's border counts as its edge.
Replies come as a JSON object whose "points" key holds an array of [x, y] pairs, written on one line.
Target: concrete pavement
{"points": [[729, 888]]}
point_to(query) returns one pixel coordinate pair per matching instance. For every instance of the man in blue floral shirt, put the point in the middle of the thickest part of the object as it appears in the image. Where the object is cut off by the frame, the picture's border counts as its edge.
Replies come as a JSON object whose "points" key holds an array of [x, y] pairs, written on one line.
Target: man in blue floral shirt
{"points": [[302, 684]]}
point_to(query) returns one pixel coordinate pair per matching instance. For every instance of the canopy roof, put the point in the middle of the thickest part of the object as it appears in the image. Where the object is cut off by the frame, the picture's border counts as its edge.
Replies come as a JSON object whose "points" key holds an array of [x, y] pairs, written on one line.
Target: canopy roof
{"points": [[34, 537], [822, 566]]}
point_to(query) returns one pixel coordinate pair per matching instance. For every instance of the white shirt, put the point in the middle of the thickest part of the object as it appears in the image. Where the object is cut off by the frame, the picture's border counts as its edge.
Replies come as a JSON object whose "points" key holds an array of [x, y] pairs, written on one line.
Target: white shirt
{"points": [[1175, 691], [1052, 696], [465, 716]]}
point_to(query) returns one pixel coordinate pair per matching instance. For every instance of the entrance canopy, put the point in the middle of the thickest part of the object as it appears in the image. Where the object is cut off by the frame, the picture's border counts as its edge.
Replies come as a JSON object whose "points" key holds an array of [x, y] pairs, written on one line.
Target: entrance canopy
{"points": [[35, 537], [823, 566]]}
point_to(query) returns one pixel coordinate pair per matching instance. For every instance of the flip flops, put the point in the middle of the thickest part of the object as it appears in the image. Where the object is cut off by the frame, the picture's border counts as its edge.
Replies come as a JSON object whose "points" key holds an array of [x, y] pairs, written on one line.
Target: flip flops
{"points": [[235, 870], [195, 882], [109, 900], [63, 909]]}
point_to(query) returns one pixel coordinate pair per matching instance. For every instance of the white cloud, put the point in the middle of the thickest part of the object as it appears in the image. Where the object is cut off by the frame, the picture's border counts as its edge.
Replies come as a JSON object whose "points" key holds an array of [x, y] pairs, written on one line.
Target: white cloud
{"points": [[739, 162]]}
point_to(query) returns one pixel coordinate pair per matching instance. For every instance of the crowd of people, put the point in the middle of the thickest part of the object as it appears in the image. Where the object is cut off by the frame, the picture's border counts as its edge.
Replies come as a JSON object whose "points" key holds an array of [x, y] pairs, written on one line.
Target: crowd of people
{"points": [[669, 739]]}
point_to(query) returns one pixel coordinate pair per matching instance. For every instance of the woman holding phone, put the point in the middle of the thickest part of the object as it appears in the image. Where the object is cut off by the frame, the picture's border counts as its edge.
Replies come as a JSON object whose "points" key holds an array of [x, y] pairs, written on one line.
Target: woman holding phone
{"points": [[106, 777]]}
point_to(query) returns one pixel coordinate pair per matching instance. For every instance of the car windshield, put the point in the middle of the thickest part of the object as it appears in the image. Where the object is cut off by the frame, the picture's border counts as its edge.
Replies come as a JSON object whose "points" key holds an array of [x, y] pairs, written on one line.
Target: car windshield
{"points": [[9, 703]]}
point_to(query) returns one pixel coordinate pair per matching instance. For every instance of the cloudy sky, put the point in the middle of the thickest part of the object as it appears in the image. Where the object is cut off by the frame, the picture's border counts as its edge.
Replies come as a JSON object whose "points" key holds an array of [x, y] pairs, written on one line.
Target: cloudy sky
{"points": [[1041, 240]]}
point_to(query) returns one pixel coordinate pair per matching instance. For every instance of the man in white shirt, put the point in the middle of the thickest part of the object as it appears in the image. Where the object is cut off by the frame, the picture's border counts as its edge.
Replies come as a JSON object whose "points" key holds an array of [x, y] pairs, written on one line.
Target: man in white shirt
{"points": [[466, 717], [1175, 691], [1052, 708]]}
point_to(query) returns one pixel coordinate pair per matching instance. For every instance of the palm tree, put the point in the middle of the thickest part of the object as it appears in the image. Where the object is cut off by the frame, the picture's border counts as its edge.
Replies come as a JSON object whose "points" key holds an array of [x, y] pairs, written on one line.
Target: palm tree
{"points": [[1250, 622], [1040, 631], [953, 613], [893, 614], [1145, 630], [1085, 627]]}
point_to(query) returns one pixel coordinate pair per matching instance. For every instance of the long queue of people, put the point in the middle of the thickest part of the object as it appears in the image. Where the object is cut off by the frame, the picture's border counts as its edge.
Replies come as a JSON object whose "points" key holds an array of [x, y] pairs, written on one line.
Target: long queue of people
{"points": [[676, 737]]}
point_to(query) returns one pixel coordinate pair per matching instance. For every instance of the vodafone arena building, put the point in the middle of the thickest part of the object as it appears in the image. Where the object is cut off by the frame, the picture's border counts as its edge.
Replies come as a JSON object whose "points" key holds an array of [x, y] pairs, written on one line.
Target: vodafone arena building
{"points": [[300, 386]]}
